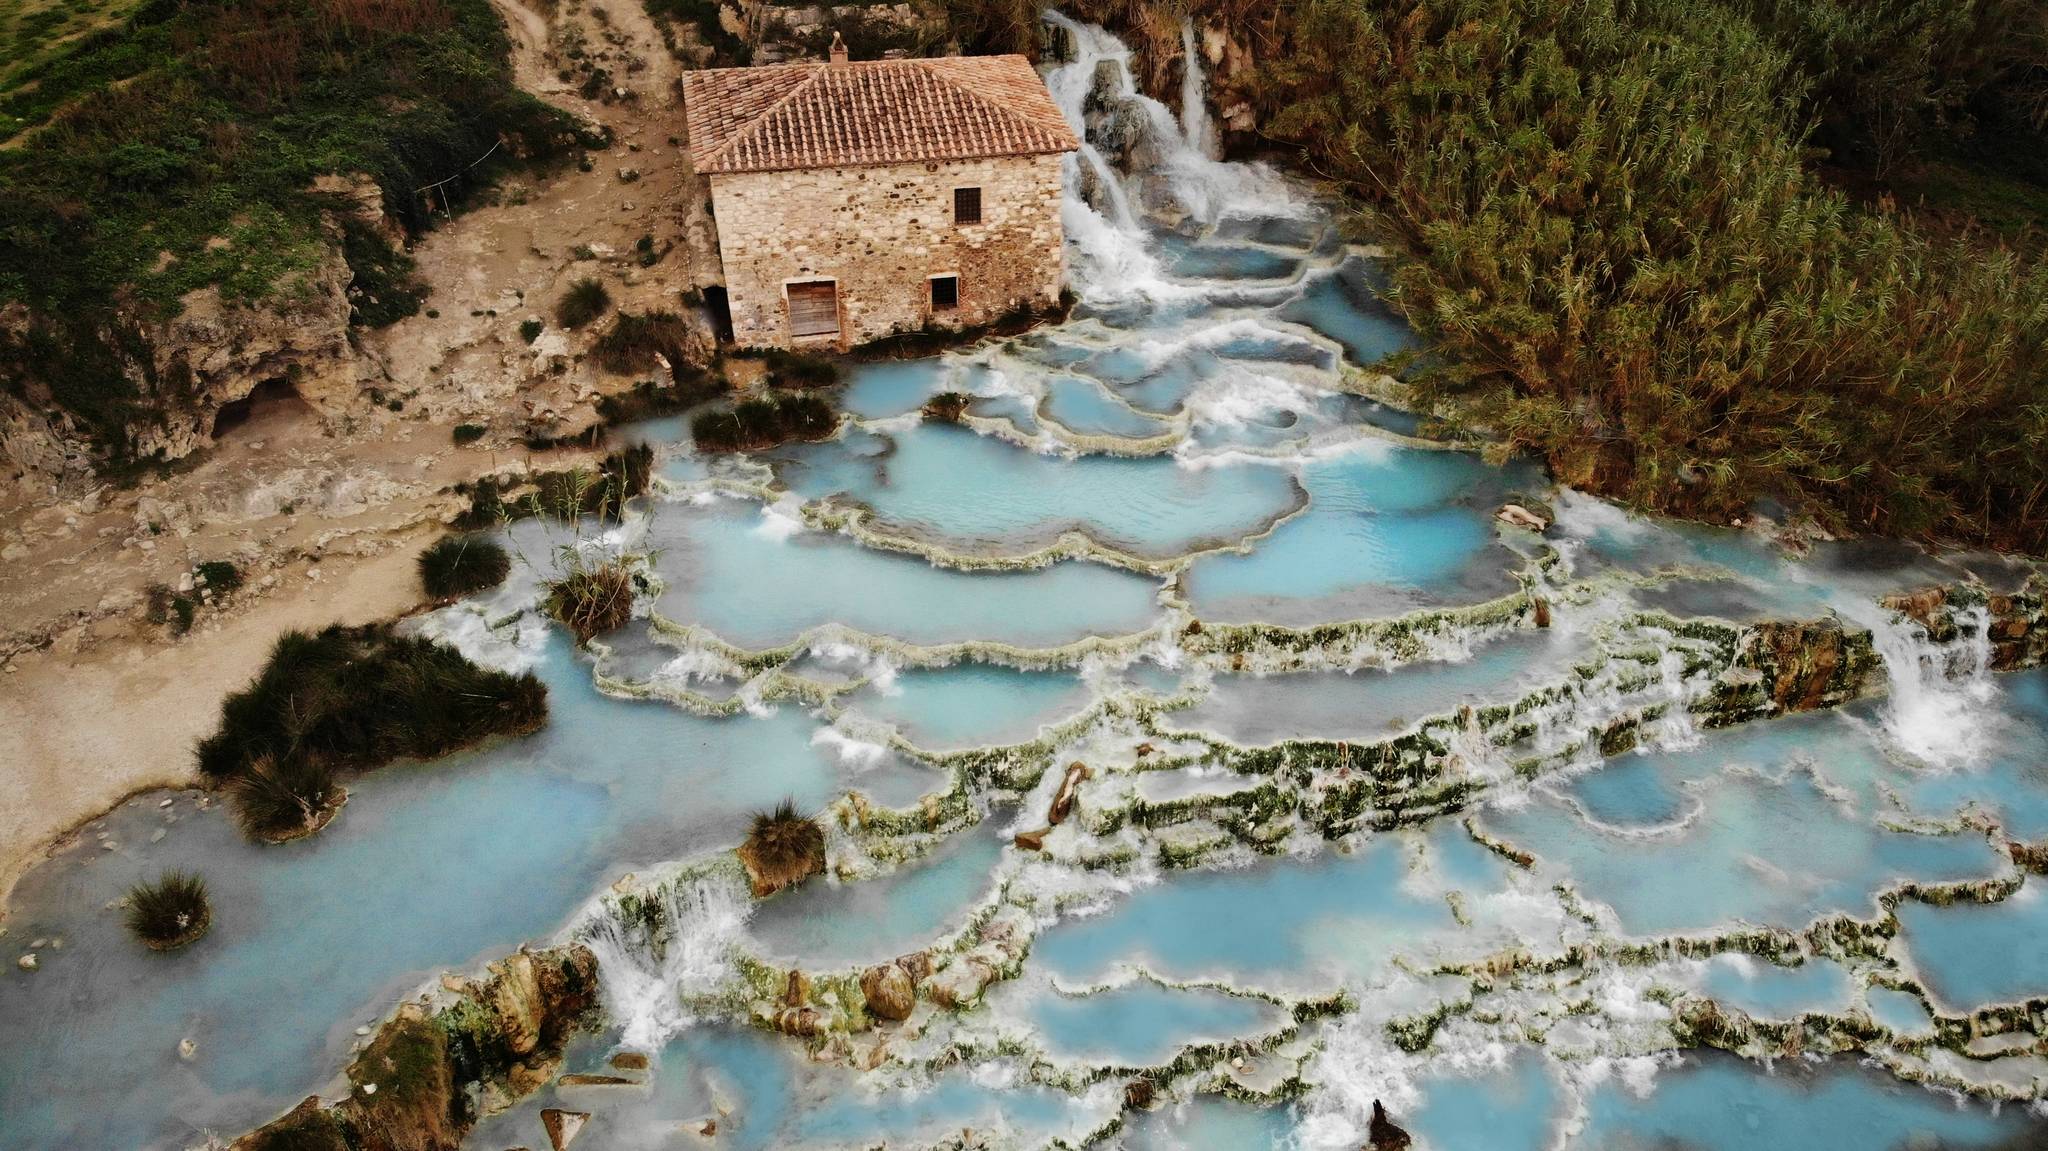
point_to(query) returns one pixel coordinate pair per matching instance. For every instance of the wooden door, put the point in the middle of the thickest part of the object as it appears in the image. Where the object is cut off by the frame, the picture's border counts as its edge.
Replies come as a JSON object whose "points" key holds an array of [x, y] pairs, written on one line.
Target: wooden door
{"points": [[814, 309]]}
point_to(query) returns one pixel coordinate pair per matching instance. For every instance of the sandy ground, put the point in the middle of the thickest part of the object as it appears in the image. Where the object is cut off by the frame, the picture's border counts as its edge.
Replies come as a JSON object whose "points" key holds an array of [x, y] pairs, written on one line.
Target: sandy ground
{"points": [[324, 511]]}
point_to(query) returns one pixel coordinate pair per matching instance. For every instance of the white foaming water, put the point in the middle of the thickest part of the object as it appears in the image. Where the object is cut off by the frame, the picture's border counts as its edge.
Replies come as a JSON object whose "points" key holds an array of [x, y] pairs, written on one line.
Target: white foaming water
{"points": [[781, 519], [651, 979], [1114, 257], [850, 746], [1940, 706], [512, 646]]}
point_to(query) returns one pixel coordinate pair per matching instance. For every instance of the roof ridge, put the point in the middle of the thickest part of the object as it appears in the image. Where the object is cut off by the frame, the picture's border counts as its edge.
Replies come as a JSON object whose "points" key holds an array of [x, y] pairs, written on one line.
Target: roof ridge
{"points": [[811, 113], [753, 125], [932, 64]]}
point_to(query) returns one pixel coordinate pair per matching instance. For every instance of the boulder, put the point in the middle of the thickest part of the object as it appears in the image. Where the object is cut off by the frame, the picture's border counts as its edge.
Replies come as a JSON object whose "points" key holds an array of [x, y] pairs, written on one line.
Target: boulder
{"points": [[563, 1126], [1382, 1134], [961, 983], [1069, 793], [889, 990]]}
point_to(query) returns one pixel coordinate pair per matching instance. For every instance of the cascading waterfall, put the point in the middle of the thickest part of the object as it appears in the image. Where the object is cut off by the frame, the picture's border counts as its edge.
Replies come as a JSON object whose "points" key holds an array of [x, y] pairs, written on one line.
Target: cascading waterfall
{"points": [[1113, 243], [1940, 693], [652, 971]]}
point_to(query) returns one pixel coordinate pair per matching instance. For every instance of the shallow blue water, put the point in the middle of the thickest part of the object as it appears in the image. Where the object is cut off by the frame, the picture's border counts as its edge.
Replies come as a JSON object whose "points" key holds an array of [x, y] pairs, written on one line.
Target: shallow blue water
{"points": [[972, 705], [1387, 529], [1763, 844], [428, 867], [1969, 953], [1720, 1104], [844, 925], [1143, 1023], [725, 570], [1296, 924], [979, 495]]}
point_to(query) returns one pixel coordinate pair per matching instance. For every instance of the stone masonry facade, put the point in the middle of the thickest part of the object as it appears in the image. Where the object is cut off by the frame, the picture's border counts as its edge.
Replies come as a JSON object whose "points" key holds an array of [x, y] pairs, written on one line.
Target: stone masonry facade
{"points": [[880, 233]]}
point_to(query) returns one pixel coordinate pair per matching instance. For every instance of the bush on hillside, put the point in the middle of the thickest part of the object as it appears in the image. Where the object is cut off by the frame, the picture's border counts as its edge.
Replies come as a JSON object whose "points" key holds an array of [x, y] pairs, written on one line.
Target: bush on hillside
{"points": [[585, 301], [455, 566], [632, 342]]}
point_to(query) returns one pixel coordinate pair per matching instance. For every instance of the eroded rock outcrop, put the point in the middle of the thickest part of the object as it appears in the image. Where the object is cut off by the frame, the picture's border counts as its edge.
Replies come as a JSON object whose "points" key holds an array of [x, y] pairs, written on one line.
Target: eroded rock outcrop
{"points": [[1790, 666], [440, 1064], [889, 990], [2017, 621], [1383, 1134]]}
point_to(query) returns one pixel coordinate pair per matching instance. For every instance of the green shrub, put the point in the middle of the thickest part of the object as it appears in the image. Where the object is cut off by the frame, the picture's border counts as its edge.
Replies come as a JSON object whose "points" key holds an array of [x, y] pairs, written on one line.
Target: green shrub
{"points": [[454, 566], [571, 494], [167, 608], [764, 422], [530, 330], [170, 912], [1608, 233], [281, 800], [621, 476], [197, 130], [383, 287], [585, 301], [789, 369], [358, 698], [632, 342], [647, 399], [220, 577], [465, 434], [590, 597]]}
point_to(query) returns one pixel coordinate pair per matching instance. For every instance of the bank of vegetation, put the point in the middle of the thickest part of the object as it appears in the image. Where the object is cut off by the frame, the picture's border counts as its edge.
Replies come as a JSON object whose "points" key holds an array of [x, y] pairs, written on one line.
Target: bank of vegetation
{"points": [[175, 145], [349, 699], [1626, 257], [1694, 252]]}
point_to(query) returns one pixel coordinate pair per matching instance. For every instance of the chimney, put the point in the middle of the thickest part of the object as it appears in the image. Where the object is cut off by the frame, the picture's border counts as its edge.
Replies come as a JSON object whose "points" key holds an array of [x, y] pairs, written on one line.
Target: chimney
{"points": [[838, 49]]}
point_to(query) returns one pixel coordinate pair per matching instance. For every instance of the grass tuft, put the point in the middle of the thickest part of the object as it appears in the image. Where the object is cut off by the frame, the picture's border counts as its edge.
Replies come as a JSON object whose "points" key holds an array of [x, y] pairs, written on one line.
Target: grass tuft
{"points": [[171, 912], [281, 800], [589, 597], [765, 422], [632, 342], [782, 848], [585, 301], [456, 566], [947, 407]]}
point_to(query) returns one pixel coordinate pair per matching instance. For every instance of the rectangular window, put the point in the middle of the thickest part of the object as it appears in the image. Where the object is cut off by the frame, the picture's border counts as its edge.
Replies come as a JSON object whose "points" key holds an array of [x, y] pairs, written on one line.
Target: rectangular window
{"points": [[814, 308], [945, 293], [967, 205]]}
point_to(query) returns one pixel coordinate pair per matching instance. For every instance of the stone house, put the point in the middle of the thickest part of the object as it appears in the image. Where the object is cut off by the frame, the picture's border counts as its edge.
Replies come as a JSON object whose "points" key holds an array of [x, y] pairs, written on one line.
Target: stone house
{"points": [[854, 199]]}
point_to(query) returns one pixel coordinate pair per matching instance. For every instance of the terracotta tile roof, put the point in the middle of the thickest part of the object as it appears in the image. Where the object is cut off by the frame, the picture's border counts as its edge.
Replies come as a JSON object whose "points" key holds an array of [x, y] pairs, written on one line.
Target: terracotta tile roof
{"points": [[866, 112]]}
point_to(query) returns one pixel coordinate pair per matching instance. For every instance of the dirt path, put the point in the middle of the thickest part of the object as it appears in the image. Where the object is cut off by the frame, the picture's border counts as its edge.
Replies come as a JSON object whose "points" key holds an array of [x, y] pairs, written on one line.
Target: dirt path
{"points": [[324, 513]]}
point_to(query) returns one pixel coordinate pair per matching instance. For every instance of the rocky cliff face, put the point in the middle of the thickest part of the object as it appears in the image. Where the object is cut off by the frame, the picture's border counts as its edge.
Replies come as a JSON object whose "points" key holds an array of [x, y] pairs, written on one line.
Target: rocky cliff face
{"points": [[437, 1067], [182, 369], [2017, 620]]}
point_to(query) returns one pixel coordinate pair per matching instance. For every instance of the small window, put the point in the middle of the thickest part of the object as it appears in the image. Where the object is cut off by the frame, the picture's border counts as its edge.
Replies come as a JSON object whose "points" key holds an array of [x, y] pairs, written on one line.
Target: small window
{"points": [[967, 205], [945, 293]]}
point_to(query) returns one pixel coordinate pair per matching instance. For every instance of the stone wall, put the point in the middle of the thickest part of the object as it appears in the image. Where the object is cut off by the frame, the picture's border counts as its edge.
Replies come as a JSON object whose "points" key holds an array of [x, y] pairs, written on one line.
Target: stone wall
{"points": [[880, 232]]}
